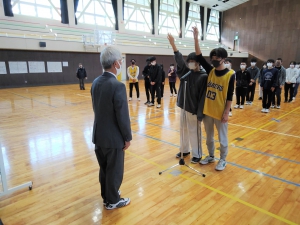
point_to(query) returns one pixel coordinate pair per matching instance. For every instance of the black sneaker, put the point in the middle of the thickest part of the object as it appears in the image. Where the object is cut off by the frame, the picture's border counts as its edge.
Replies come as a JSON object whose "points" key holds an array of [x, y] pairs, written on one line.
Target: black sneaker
{"points": [[123, 202], [260, 98], [195, 160], [184, 154], [104, 202]]}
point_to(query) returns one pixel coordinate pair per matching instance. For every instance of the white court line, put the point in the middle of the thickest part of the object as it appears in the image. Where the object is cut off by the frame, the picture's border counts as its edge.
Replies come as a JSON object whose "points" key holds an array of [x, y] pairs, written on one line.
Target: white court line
{"points": [[83, 96], [274, 132]]}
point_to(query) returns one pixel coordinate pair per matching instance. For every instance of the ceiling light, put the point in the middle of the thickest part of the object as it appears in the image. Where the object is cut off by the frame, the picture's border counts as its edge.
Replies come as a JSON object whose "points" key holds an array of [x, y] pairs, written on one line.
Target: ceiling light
{"points": [[149, 39], [144, 36], [155, 43]]}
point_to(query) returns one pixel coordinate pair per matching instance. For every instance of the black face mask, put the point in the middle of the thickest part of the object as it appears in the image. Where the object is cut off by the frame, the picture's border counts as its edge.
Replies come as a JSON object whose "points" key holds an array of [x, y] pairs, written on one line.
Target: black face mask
{"points": [[216, 63]]}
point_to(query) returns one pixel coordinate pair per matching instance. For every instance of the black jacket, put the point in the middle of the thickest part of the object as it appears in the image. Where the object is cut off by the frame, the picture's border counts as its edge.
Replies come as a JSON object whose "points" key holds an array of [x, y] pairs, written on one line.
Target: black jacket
{"points": [[243, 79], [195, 88], [146, 73], [269, 78], [155, 74], [81, 73]]}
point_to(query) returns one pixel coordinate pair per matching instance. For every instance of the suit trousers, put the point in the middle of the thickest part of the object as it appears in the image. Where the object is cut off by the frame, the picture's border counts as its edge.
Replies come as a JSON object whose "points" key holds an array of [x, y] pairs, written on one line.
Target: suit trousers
{"points": [[190, 134], [111, 162], [81, 84]]}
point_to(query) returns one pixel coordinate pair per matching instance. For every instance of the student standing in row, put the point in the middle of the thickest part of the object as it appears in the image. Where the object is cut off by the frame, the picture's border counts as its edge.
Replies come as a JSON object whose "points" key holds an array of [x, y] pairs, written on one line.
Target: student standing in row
{"points": [[172, 80], [279, 83], [163, 77], [81, 75], [291, 77], [268, 84], [259, 80], [155, 81], [146, 75], [254, 71], [133, 73], [297, 81], [243, 78]]}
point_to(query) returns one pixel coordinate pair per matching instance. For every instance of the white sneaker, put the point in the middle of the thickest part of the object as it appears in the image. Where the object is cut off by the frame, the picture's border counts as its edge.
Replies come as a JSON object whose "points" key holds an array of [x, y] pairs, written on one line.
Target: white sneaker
{"points": [[130, 99], [175, 95], [138, 99], [208, 159], [263, 110], [247, 103], [119, 192], [230, 114], [278, 107], [150, 104], [171, 95], [236, 106], [250, 103], [294, 98], [272, 106], [158, 106], [267, 110], [221, 165], [241, 106], [123, 202]]}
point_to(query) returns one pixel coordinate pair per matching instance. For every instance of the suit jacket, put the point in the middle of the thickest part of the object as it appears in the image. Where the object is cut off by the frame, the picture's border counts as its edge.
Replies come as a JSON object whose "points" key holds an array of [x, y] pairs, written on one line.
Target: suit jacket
{"points": [[112, 123]]}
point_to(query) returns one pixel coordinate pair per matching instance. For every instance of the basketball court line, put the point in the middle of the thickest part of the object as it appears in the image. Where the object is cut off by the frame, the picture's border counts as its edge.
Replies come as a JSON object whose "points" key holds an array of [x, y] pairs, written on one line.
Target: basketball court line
{"points": [[219, 192], [231, 163], [235, 146]]}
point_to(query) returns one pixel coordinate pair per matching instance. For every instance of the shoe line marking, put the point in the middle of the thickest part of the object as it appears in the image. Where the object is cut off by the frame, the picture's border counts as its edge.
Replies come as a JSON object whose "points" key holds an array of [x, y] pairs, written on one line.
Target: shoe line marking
{"points": [[231, 163]]}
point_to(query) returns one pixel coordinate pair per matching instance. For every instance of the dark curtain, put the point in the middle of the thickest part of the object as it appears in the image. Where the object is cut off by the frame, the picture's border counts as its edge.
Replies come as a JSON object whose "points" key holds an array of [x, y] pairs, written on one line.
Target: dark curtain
{"points": [[75, 9], [208, 16], [64, 12], [152, 15], [220, 25], [7, 8], [202, 22], [115, 8], [187, 9]]}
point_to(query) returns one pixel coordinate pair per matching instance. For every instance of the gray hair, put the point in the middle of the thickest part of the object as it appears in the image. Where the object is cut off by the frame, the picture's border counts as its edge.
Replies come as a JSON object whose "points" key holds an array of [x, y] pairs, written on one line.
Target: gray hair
{"points": [[108, 56]]}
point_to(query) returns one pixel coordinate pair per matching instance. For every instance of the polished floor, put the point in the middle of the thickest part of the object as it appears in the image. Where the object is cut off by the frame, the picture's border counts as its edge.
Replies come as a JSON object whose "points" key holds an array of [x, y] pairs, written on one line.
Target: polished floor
{"points": [[45, 137]]}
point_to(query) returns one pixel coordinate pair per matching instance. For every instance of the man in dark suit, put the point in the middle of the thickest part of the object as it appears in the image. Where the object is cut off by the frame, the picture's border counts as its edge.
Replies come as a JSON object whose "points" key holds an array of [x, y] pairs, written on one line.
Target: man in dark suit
{"points": [[111, 131], [81, 75]]}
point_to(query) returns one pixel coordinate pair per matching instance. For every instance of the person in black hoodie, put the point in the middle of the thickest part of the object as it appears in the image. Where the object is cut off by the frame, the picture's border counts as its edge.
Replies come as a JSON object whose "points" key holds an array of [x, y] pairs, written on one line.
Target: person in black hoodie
{"points": [[155, 81], [163, 77], [81, 75], [268, 84], [190, 119], [243, 79], [147, 81]]}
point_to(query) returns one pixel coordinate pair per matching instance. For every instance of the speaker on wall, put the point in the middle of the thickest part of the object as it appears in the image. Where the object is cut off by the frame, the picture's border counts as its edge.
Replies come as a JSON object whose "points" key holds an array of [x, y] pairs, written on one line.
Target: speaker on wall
{"points": [[42, 44]]}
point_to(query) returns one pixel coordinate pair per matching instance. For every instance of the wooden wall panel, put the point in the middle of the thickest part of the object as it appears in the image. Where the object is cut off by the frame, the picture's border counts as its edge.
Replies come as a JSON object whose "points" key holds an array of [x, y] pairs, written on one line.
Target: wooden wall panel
{"points": [[267, 28]]}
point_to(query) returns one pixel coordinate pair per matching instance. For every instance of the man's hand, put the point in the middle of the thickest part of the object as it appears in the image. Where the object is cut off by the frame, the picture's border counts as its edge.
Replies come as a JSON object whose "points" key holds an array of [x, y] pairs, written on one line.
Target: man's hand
{"points": [[252, 80], [250, 84], [225, 117], [272, 89], [127, 144], [86, 78], [163, 83], [195, 32], [134, 80], [152, 83], [281, 86], [169, 74]]}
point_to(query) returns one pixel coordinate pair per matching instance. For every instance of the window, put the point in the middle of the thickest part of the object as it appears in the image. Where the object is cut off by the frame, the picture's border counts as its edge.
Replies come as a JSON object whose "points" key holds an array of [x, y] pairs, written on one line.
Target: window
{"points": [[213, 26], [169, 17], [99, 12], [193, 20], [137, 15], [49, 9]]}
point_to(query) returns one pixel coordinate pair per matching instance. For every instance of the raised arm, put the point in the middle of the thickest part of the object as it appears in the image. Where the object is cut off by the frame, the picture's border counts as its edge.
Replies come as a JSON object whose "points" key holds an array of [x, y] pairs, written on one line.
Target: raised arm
{"points": [[196, 41]]}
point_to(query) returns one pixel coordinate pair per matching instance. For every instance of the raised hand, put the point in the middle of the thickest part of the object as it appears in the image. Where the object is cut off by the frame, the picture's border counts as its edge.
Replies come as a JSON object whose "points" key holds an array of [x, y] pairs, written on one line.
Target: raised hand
{"points": [[195, 32], [171, 39]]}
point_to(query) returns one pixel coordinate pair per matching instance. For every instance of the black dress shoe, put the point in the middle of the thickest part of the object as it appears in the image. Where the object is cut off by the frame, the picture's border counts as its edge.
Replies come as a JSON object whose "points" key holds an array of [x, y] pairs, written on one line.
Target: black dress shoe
{"points": [[184, 154]]}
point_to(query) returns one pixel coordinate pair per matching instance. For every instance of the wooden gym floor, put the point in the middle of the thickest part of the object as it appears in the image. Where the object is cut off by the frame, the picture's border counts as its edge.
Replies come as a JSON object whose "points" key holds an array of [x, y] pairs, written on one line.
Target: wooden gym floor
{"points": [[45, 137]]}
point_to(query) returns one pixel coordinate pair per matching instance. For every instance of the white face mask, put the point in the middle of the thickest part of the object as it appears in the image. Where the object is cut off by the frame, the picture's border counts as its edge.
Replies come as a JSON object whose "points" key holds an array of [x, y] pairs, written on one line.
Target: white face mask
{"points": [[192, 66], [297, 66], [264, 67], [270, 65], [292, 66], [119, 70], [227, 65], [172, 67], [243, 67], [253, 64], [153, 63]]}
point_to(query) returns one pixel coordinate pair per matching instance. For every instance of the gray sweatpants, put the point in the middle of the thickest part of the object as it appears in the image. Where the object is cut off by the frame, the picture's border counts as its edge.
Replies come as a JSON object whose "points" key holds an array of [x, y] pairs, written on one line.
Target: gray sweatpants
{"points": [[190, 134], [222, 129]]}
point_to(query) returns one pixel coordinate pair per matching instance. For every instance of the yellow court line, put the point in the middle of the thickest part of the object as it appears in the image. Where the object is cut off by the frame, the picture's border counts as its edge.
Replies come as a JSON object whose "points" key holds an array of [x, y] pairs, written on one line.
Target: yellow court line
{"points": [[265, 125], [220, 192]]}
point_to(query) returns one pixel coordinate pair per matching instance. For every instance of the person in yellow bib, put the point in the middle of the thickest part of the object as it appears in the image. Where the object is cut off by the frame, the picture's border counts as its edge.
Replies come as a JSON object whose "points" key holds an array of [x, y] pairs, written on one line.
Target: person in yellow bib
{"points": [[133, 73], [219, 93]]}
